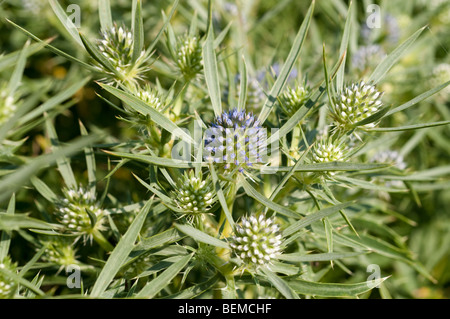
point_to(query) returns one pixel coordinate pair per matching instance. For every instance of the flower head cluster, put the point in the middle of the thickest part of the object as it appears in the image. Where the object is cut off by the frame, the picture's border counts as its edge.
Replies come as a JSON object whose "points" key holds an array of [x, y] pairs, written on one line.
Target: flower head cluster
{"points": [[78, 211], [7, 286], [116, 45], [257, 240], [195, 195], [356, 103], [237, 139], [367, 57], [7, 105], [294, 98], [58, 250], [326, 150], [189, 57]]}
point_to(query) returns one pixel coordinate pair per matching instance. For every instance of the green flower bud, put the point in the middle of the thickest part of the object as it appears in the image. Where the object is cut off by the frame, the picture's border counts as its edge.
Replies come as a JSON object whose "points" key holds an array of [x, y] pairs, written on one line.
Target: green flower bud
{"points": [[257, 240], [7, 286], [116, 45], [356, 103], [195, 195], [73, 210], [189, 57], [58, 250], [325, 151], [294, 98]]}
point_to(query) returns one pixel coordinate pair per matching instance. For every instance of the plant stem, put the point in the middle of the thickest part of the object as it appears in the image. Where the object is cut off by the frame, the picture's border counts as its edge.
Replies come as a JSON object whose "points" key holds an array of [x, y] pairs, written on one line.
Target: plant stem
{"points": [[101, 240]]}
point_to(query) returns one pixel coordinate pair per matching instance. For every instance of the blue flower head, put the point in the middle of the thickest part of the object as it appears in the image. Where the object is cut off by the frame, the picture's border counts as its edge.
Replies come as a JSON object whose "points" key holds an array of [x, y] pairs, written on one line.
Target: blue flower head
{"points": [[236, 139]]}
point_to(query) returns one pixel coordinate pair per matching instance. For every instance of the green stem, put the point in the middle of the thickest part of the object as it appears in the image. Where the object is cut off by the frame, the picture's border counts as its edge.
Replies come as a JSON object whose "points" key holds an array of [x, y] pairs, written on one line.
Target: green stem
{"points": [[101, 240]]}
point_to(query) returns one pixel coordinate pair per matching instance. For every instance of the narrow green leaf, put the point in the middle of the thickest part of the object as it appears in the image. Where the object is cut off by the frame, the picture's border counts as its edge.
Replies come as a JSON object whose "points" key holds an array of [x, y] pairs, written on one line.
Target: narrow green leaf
{"points": [[15, 222], [281, 285], [243, 84], [389, 61], [300, 257], [156, 285], [63, 162], [313, 217], [221, 195], [90, 161], [16, 77], [201, 236], [211, 70], [250, 191], [120, 252], [343, 48], [417, 99], [138, 30], [166, 24], [332, 166], [44, 190], [154, 160], [288, 65], [66, 22], [22, 281], [140, 106], [97, 55], [408, 127], [195, 290], [333, 290], [5, 238], [104, 12], [16, 180], [53, 49]]}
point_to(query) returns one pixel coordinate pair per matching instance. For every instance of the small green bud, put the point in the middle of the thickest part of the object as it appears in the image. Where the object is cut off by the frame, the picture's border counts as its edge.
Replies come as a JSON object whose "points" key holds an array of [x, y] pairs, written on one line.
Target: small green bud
{"points": [[189, 57], [257, 240], [294, 98], [195, 195]]}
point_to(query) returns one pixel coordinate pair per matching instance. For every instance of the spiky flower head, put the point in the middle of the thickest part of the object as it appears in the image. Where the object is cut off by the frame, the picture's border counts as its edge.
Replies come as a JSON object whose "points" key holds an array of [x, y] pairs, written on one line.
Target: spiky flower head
{"points": [[367, 57], [356, 103], [8, 287], [326, 150], [58, 250], [293, 98], [189, 57], [195, 195], [78, 211], [7, 104], [116, 44], [236, 139], [257, 240]]}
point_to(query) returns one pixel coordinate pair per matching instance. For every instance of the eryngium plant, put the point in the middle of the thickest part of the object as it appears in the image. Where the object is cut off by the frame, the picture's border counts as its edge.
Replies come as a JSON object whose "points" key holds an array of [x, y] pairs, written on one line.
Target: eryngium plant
{"points": [[278, 195]]}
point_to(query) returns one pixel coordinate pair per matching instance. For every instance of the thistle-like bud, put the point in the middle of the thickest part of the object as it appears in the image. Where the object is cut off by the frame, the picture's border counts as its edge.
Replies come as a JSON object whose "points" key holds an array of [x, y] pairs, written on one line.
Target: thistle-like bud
{"points": [[8, 287], [195, 195], [78, 211], [58, 250], [7, 105], [326, 150], [189, 57], [257, 240], [116, 45], [294, 98], [356, 103], [237, 139]]}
